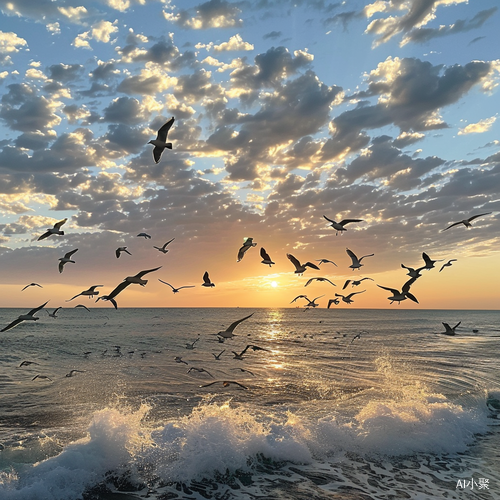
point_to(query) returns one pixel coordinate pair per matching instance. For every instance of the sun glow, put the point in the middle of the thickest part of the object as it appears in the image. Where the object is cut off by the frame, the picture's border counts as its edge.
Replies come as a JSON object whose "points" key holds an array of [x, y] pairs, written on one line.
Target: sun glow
{"points": [[274, 284]]}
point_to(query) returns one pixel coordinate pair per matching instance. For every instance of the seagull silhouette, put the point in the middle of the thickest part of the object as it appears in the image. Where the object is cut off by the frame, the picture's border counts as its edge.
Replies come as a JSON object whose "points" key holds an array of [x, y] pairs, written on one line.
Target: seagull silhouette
{"points": [[163, 249], [300, 268], [466, 222], [228, 332], [88, 293], [247, 244], [29, 316], [206, 281], [265, 257], [356, 263], [429, 263], [160, 143], [348, 298], [450, 330], [32, 284], [67, 258], [54, 230], [309, 281], [176, 290], [448, 264], [399, 296], [120, 250], [355, 282], [225, 383], [339, 226]]}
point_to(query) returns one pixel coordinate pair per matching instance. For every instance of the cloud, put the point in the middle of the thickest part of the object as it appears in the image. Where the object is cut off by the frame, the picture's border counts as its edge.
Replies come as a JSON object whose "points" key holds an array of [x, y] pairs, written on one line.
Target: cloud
{"points": [[211, 14], [234, 43], [479, 127], [10, 43], [423, 35]]}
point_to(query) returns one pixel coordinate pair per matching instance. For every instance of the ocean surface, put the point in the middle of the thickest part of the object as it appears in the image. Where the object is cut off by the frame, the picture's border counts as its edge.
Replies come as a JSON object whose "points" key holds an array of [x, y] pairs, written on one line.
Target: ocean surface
{"points": [[341, 404]]}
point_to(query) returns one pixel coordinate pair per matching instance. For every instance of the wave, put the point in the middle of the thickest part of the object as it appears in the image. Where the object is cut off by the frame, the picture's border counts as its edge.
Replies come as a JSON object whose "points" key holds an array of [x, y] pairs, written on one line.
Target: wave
{"points": [[220, 438]]}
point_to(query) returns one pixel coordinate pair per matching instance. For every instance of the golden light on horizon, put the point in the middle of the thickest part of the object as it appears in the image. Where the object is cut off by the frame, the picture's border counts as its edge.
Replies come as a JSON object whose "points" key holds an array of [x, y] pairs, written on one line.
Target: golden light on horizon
{"points": [[274, 284]]}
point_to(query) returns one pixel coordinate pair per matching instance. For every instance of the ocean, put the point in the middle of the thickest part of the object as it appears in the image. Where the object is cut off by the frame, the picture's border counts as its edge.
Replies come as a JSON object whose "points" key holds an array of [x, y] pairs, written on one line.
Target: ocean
{"points": [[336, 404]]}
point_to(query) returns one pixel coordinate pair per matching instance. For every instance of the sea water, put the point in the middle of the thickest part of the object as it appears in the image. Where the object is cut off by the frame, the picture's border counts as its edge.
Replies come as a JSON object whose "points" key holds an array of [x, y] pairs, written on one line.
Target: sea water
{"points": [[341, 404]]}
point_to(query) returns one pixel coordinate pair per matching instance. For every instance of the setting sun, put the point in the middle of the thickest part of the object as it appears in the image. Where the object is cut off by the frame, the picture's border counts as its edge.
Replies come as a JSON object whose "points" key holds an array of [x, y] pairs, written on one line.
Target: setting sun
{"points": [[274, 284]]}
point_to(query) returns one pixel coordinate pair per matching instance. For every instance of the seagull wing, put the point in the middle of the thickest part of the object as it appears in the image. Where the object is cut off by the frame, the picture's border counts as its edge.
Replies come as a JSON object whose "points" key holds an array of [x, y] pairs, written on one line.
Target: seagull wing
{"points": [[458, 324], [412, 297], [392, 290], [117, 253], [408, 284], [44, 235], [69, 300], [118, 289], [167, 284], [33, 311], [157, 151], [478, 215], [299, 297], [58, 225], [329, 220], [210, 383], [206, 278], [69, 254], [355, 293], [346, 284], [61, 267], [347, 221], [241, 252], [369, 255], [426, 258], [366, 279], [264, 254], [142, 273], [232, 326], [454, 224], [310, 264], [293, 260], [352, 255], [330, 302], [165, 245], [11, 325], [163, 131], [309, 281], [185, 286]]}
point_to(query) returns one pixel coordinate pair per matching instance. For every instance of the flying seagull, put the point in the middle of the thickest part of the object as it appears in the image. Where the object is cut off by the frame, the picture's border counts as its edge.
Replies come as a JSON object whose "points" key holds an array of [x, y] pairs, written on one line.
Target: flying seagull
{"points": [[53, 230], [339, 226], [466, 222], [265, 257], [398, 296], [299, 297], [53, 314], [429, 263], [228, 332], [137, 279], [217, 356], [448, 264], [247, 243], [67, 258], [89, 293], [312, 303], [325, 261], [82, 307], [27, 363], [309, 281], [413, 273], [175, 290], [333, 301], [300, 268], [160, 143], [348, 298], [249, 346], [41, 377], [200, 370], [355, 282], [163, 249], [146, 236], [450, 330], [225, 383], [206, 280], [29, 316], [356, 263], [32, 284], [120, 250], [73, 372]]}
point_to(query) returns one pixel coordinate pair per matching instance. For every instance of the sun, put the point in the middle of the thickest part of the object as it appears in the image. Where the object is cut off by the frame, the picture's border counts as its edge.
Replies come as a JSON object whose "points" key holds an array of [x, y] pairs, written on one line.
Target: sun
{"points": [[274, 284]]}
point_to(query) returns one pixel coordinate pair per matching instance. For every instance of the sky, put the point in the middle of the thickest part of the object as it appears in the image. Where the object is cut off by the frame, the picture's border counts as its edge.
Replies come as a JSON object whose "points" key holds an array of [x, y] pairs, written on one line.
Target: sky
{"points": [[285, 112]]}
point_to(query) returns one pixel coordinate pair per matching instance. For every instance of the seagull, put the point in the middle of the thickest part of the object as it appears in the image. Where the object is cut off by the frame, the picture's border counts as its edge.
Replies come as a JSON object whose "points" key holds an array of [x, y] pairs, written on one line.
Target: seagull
{"points": [[228, 332], [447, 264], [339, 226], [178, 359], [466, 222], [309, 281], [348, 298], [67, 258], [137, 279], [225, 383], [299, 297], [32, 284], [163, 249], [265, 257], [72, 373], [217, 356], [429, 263], [160, 142], [41, 377], [413, 273], [146, 236], [450, 330], [27, 363], [89, 293], [176, 290], [53, 314], [249, 346], [119, 251], [191, 345], [312, 303], [333, 301], [356, 263], [29, 316], [244, 371], [326, 261], [398, 296], [206, 280], [200, 370], [247, 243], [300, 268], [54, 230], [355, 282], [83, 307]]}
